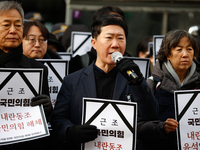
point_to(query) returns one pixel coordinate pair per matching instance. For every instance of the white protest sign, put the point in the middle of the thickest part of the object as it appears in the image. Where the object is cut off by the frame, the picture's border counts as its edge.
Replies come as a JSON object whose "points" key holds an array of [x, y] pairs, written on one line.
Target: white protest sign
{"points": [[17, 87], [57, 70], [116, 123], [187, 108], [80, 43], [157, 40], [143, 64]]}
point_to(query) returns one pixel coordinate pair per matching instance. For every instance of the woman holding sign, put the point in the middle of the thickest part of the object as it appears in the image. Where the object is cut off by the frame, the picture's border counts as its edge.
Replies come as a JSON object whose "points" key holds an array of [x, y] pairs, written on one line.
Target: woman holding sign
{"points": [[176, 69]]}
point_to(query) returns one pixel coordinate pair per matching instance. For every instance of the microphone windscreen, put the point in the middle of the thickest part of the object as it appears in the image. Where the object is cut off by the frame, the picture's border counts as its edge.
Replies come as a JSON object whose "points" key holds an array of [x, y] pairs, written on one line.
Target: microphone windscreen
{"points": [[115, 56]]}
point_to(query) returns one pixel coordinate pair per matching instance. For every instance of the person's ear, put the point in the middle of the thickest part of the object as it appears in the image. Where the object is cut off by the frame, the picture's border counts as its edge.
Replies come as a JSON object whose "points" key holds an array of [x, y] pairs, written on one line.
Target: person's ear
{"points": [[93, 41], [140, 54]]}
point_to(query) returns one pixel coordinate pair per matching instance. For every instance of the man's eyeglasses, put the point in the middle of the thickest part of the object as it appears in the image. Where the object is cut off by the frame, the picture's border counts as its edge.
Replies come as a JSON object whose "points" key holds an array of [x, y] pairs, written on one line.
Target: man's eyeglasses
{"points": [[32, 41]]}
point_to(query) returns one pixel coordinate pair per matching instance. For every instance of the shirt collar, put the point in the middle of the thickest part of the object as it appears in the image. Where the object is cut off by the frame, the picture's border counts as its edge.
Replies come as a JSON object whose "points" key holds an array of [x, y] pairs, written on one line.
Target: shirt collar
{"points": [[98, 70]]}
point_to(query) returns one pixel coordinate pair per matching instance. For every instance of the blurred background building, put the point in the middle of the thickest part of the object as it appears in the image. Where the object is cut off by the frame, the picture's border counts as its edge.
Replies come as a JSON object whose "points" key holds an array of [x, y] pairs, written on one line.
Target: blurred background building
{"points": [[144, 17]]}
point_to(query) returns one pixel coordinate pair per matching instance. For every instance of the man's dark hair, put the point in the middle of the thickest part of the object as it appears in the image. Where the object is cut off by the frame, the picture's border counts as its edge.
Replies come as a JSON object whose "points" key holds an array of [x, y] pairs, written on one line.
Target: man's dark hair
{"points": [[171, 40], [106, 20], [143, 45], [29, 24], [106, 10]]}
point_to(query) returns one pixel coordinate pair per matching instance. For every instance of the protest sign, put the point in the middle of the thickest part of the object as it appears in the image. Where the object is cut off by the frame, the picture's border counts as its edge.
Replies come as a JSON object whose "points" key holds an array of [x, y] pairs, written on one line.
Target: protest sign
{"points": [[116, 123], [187, 108], [57, 70], [18, 121], [80, 43]]}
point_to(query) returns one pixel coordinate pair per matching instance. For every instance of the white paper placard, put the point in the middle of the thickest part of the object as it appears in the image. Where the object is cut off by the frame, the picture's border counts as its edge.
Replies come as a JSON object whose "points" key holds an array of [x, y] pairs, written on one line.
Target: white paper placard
{"points": [[57, 70], [17, 87], [187, 108], [116, 123], [80, 43]]}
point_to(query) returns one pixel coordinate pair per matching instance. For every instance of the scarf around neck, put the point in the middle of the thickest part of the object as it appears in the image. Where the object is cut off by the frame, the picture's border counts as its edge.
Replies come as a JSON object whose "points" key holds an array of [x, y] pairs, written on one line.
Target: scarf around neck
{"points": [[189, 74], [14, 55]]}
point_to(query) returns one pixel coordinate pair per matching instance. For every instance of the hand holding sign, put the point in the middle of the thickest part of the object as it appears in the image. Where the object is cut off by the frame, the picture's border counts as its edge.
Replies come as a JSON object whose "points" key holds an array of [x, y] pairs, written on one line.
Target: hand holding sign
{"points": [[170, 125], [82, 133], [45, 101]]}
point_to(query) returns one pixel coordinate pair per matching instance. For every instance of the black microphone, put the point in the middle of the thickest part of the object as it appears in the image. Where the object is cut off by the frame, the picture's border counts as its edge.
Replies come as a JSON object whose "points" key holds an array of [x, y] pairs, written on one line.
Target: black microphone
{"points": [[116, 57]]}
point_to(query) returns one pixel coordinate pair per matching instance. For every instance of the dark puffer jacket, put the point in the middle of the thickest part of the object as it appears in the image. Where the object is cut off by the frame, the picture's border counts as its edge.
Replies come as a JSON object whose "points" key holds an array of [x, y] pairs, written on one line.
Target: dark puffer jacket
{"points": [[151, 134]]}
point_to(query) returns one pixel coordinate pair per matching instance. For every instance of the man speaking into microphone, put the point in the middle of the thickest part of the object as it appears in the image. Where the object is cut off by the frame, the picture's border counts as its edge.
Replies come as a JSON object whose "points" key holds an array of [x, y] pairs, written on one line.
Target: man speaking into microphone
{"points": [[105, 79]]}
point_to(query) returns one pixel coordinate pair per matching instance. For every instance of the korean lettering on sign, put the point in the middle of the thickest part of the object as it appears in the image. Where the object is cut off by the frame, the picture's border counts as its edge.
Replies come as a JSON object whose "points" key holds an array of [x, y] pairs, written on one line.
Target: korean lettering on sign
{"points": [[107, 146], [16, 126], [25, 102], [193, 135]]}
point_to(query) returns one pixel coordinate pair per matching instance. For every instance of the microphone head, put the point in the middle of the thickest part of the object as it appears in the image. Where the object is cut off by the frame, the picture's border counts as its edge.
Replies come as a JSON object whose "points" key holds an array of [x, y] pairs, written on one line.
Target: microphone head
{"points": [[116, 56]]}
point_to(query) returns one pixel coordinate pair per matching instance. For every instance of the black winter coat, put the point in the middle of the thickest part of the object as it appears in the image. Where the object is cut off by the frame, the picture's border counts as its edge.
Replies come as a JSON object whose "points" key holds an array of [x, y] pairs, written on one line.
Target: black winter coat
{"points": [[151, 134], [16, 59]]}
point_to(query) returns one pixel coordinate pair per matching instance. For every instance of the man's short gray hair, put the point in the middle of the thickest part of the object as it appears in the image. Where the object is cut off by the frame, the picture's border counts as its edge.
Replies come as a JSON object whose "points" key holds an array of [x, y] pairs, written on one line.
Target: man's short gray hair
{"points": [[5, 6]]}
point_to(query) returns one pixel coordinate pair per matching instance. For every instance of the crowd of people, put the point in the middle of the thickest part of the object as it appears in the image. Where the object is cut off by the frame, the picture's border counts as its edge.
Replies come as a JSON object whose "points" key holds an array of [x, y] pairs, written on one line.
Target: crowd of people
{"points": [[24, 38]]}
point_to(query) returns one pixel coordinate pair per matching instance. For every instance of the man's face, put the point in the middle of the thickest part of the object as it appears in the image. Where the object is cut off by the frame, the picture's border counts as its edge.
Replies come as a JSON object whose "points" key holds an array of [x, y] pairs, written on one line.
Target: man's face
{"points": [[38, 49], [111, 39], [11, 30]]}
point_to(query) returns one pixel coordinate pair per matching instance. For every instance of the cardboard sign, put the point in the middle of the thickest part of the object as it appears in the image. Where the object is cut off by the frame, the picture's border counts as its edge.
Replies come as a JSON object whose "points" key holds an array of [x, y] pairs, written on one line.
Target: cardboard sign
{"points": [[187, 107], [116, 122]]}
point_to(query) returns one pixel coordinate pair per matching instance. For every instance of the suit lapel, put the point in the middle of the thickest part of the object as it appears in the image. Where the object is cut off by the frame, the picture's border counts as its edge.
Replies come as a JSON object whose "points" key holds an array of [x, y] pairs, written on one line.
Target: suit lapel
{"points": [[89, 82], [120, 84]]}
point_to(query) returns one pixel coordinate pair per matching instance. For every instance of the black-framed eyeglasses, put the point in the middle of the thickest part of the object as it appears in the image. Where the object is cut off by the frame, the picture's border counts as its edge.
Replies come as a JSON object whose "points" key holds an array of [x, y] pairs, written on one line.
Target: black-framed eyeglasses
{"points": [[32, 41]]}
